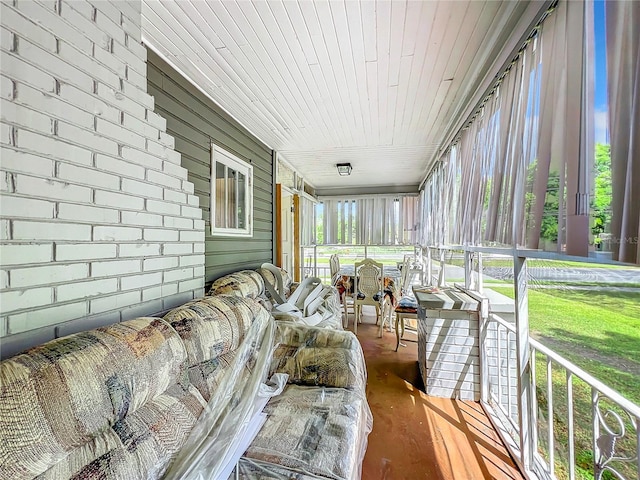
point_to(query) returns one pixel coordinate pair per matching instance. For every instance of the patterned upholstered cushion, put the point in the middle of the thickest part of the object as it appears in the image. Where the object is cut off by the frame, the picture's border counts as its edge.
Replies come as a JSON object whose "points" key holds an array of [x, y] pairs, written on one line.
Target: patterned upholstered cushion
{"points": [[296, 335], [407, 304], [213, 326], [206, 376], [319, 357], [251, 469], [317, 430], [141, 445], [245, 283], [61, 403], [330, 367]]}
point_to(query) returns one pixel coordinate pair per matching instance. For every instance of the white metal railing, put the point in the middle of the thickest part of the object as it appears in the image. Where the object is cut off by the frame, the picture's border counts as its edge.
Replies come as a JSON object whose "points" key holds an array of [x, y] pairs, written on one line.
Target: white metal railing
{"points": [[544, 440], [315, 258], [499, 348], [612, 418]]}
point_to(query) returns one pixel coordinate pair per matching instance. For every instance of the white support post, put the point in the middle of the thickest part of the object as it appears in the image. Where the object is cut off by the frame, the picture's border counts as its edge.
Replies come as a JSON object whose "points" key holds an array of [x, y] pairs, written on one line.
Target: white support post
{"points": [[468, 261], [429, 266], [526, 415], [480, 285], [484, 357], [441, 275], [315, 260]]}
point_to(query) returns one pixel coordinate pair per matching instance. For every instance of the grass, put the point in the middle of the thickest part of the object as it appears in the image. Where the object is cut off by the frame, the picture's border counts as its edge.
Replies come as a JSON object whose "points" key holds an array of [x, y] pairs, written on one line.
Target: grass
{"points": [[599, 331], [536, 262]]}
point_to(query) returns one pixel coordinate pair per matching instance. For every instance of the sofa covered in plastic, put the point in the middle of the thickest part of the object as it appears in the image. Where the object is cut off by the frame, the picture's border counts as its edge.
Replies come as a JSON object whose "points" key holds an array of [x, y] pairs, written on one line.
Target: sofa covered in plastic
{"points": [[213, 390]]}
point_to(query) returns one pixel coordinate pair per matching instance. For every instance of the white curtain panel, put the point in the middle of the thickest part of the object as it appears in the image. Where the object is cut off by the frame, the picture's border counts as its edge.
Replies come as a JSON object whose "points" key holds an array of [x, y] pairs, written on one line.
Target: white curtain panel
{"points": [[308, 224], [623, 76], [375, 220], [524, 161]]}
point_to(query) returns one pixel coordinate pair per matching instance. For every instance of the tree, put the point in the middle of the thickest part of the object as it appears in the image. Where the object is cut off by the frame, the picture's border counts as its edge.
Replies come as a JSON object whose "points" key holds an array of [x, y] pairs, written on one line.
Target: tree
{"points": [[549, 220], [601, 201]]}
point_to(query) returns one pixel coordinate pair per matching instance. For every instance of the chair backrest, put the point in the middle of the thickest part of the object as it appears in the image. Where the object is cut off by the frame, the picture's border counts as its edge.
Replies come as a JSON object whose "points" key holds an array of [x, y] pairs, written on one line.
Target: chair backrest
{"points": [[369, 278], [277, 275], [405, 274], [417, 253], [334, 266]]}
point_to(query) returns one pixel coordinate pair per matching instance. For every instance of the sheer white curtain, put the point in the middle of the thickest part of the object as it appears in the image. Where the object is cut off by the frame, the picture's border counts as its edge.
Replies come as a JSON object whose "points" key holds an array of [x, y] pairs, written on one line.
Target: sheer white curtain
{"points": [[522, 165], [565, 143], [623, 76], [307, 219], [375, 220]]}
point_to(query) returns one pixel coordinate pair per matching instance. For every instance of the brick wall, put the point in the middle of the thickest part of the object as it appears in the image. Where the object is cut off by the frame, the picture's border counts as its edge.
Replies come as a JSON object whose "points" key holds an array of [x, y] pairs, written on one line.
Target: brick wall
{"points": [[98, 221]]}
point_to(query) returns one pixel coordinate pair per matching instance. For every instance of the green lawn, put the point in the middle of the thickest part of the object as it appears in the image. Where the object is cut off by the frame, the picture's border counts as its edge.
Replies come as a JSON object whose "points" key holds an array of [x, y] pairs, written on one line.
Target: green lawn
{"points": [[538, 262], [598, 331]]}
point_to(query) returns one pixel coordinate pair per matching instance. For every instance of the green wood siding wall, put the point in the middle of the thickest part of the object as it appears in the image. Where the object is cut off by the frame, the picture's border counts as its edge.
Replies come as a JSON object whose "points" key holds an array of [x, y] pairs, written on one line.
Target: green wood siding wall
{"points": [[194, 121]]}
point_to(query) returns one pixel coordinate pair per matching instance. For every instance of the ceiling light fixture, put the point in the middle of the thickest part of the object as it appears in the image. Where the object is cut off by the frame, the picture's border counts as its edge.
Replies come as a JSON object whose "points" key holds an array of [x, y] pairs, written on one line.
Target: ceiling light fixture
{"points": [[344, 169]]}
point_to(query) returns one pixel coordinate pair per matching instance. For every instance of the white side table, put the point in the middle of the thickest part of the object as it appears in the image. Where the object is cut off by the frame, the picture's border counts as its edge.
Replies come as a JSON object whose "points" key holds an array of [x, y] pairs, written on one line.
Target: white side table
{"points": [[448, 343]]}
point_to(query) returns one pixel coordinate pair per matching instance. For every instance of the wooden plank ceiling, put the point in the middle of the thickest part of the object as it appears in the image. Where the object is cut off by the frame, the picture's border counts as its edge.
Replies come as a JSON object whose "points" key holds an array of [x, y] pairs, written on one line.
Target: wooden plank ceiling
{"points": [[379, 84]]}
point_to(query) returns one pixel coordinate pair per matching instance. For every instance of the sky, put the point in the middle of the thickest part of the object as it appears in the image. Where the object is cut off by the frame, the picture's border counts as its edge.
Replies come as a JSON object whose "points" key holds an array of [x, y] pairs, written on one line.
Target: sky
{"points": [[601, 134]]}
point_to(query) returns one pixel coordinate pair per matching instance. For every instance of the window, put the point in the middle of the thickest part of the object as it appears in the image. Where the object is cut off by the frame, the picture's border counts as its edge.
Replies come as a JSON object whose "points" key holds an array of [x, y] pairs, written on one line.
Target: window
{"points": [[231, 194]]}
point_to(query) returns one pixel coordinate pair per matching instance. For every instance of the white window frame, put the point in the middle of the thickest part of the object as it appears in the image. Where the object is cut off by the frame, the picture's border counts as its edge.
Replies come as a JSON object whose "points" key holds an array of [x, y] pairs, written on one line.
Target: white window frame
{"points": [[224, 157]]}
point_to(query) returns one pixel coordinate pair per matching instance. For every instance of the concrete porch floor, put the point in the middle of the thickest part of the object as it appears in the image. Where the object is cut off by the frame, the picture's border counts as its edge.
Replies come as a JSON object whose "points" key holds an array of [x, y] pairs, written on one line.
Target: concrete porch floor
{"points": [[416, 436]]}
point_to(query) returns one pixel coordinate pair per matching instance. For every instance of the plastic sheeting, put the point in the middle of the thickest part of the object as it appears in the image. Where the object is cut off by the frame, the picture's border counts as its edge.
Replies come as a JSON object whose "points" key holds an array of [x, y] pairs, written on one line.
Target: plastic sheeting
{"points": [[234, 408], [317, 356], [318, 427], [310, 432]]}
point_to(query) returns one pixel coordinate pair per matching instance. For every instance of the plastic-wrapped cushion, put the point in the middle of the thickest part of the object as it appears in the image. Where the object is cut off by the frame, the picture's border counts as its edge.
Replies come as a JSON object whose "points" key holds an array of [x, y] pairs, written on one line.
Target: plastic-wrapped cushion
{"points": [[297, 335], [237, 400], [245, 283], [213, 326], [319, 357], [250, 469], [61, 404], [314, 431], [206, 376], [141, 445]]}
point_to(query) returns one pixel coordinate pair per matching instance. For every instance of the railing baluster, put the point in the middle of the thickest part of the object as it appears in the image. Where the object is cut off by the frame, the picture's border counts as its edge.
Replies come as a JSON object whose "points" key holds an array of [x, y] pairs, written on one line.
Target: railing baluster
{"points": [[572, 453], [499, 370], [638, 443], [534, 399], [509, 401], [596, 430], [552, 447]]}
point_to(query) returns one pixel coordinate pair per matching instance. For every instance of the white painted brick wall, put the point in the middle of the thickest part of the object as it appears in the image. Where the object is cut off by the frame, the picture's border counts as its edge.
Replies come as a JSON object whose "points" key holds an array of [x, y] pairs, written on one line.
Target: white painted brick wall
{"points": [[25, 277], [98, 217], [42, 317], [139, 249], [85, 251], [161, 235], [141, 281], [93, 288], [117, 234], [18, 254]]}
